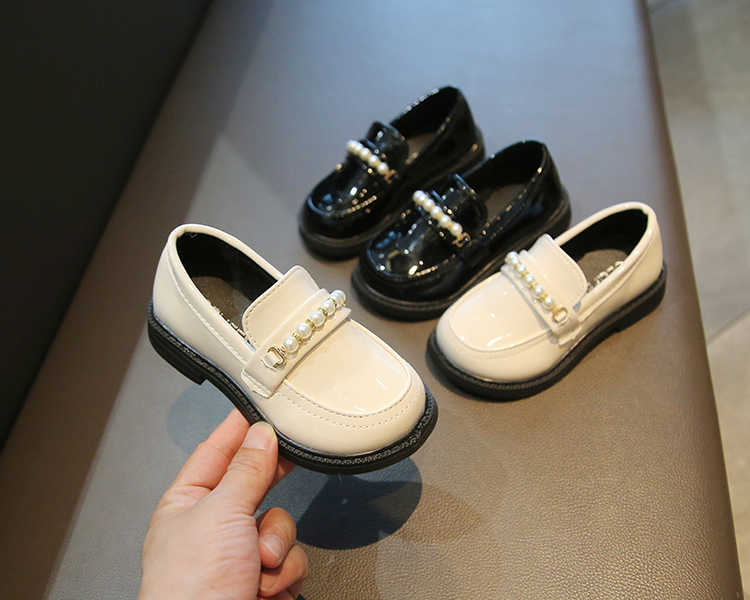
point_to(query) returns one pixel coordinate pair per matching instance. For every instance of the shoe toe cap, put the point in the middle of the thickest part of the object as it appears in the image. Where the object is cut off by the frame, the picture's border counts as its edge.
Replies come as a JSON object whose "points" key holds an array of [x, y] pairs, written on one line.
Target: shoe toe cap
{"points": [[353, 395], [491, 333]]}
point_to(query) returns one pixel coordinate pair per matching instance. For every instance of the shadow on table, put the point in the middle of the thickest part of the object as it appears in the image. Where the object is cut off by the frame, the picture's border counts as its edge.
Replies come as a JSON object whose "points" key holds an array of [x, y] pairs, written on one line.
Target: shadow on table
{"points": [[350, 511], [332, 512]]}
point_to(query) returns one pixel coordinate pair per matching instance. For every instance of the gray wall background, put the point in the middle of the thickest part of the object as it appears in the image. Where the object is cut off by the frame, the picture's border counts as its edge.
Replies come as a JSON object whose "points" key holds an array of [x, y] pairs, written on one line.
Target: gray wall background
{"points": [[81, 82]]}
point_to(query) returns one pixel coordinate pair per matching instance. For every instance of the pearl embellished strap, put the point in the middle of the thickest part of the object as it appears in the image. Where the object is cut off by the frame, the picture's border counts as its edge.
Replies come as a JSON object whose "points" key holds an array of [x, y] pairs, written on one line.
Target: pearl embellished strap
{"points": [[293, 316], [444, 220], [278, 355], [560, 314], [370, 159]]}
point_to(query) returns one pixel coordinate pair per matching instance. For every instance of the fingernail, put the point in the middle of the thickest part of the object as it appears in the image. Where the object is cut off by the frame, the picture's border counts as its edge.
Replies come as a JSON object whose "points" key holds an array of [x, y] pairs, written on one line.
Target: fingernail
{"points": [[274, 544], [260, 436]]}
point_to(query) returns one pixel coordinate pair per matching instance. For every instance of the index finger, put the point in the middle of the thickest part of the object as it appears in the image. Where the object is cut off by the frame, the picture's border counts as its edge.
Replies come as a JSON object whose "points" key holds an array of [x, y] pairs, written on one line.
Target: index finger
{"points": [[209, 461]]}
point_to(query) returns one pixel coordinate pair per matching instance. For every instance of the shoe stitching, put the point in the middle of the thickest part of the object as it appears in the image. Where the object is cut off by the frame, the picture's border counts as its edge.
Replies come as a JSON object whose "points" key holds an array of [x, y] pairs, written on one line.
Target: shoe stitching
{"points": [[203, 320], [256, 385], [346, 415], [260, 388], [322, 418]]}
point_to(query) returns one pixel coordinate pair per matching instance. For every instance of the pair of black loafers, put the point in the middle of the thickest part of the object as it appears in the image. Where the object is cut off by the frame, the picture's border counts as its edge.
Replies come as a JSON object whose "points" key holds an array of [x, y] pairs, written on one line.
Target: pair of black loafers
{"points": [[429, 217]]}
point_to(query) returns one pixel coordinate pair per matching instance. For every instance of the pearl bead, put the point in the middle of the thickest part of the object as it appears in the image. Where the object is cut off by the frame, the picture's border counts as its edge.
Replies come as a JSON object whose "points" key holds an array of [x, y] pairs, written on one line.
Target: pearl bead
{"points": [[291, 345], [456, 229], [339, 297], [520, 269], [428, 204], [549, 303], [436, 212], [304, 330], [538, 291], [351, 146], [373, 161], [365, 154], [512, 259], [318, 318], [445, 222], [382, 169], [529, 280], [418, 200], [328, 306]]}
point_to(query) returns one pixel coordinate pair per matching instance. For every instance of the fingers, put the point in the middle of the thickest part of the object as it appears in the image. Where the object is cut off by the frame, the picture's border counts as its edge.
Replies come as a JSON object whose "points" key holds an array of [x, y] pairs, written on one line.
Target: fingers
{"points": [[296, 588], [253, 468], [208, 463], [288, 578], [285, 566], [211, 458], [276, 534]]}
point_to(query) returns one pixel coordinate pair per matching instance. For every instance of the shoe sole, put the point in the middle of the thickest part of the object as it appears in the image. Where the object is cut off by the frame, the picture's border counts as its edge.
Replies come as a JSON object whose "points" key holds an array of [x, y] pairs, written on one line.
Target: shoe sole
{"points": [[198, 369], [412, 310], [343, 248], [635, 310]]}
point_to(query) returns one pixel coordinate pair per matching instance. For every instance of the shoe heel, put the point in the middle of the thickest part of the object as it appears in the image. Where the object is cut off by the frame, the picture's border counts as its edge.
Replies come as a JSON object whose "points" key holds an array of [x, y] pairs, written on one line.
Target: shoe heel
{"points": [[172, 350]]}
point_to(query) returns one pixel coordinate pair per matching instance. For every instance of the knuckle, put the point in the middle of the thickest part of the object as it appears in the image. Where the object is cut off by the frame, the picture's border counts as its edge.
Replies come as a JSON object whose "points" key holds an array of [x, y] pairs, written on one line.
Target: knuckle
{"points": [[279, 521], [249, 461]]}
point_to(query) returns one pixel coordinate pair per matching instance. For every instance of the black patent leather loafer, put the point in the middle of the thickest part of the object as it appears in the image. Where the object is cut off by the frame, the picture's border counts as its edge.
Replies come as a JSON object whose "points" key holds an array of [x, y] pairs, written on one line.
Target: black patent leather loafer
{"points": [[431, 138], [457, 234]]}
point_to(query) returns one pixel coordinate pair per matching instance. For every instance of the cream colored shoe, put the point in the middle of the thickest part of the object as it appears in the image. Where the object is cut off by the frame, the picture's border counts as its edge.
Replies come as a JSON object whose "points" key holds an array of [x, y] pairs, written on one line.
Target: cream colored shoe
{"points": [[285, 351], [527, 326]]}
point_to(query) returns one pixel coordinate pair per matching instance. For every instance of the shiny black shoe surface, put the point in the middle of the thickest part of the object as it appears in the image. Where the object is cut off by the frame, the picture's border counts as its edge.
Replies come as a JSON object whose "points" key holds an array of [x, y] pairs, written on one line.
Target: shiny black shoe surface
{"points": [[431, 138], [457, 234]]}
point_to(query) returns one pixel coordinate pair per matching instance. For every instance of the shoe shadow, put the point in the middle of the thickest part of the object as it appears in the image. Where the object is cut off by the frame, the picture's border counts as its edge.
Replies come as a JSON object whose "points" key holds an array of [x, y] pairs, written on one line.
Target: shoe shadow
{"points": [[332, 512], [351, 511]]}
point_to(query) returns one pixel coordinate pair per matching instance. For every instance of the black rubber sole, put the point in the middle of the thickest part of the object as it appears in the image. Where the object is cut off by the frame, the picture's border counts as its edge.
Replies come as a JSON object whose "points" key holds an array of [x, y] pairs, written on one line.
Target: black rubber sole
{"points": [[415, 310], [198, 369], [635, 310], [343, 248]]}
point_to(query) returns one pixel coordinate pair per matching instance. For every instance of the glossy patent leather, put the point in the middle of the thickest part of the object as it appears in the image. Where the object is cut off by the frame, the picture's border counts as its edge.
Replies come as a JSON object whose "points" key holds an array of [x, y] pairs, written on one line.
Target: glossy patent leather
{"points": [[496, 340], [416, 268], [434, 136], [343, 393]]}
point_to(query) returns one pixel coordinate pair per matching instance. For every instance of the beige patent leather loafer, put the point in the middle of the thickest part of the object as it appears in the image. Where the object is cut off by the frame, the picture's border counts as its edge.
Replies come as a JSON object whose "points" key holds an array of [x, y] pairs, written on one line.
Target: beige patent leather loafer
{"points": [[285, 351], [526, 327]]}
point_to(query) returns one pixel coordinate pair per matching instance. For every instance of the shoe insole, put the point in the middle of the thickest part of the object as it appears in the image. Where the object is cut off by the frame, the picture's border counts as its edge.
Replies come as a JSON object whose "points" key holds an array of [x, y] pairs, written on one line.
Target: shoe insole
{"points": [[224, 297], [598, 261], [417, 142], [500, 199]]}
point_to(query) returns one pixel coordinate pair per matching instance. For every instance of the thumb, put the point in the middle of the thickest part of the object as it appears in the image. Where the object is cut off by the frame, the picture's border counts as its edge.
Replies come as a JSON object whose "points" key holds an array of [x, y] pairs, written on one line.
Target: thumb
{"points": [[250, 474]]}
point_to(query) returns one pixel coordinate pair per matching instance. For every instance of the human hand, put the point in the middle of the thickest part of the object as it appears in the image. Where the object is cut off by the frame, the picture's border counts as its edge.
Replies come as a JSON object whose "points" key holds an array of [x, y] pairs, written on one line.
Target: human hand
{"points": [[203, 541]]}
